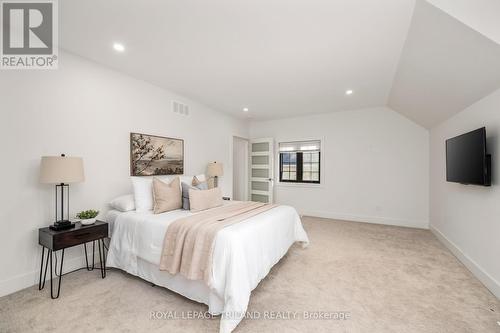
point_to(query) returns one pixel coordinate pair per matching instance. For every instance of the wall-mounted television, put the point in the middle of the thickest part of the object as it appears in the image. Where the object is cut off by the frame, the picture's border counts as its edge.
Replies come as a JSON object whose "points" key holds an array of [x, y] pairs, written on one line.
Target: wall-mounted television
{"points": [[467, 159]]}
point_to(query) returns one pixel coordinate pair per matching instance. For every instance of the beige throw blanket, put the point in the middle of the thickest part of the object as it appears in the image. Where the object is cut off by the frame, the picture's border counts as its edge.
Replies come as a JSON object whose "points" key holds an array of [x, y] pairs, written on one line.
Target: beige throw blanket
{"points": [[188, 244]]}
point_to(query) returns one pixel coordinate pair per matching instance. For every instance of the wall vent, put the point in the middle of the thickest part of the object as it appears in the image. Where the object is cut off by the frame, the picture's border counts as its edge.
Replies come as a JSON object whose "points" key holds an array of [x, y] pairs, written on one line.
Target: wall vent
{"points": [[180, 108]]}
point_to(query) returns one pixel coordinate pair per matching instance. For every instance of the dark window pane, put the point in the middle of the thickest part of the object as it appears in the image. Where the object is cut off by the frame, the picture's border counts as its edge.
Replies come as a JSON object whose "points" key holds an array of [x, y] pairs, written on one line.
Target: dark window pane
{"points": [[300, 167], [285, 157]]}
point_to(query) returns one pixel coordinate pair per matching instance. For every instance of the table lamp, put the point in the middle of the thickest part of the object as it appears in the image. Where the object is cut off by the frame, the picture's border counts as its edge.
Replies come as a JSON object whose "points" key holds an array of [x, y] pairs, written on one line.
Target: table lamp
{"points": [[214, 170], [61, 171]]}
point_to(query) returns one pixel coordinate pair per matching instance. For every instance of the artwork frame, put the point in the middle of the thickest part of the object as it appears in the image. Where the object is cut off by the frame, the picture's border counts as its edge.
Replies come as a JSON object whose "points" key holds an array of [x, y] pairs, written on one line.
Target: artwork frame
{"points": [[153, 155]]}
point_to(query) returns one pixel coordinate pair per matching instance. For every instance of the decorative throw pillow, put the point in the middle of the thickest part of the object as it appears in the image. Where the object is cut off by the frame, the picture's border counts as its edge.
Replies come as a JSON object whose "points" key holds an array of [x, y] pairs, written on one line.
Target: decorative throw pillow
{"points": [[198, 180], [185, 192], [143, 191], [204, 199], [166, 197]]}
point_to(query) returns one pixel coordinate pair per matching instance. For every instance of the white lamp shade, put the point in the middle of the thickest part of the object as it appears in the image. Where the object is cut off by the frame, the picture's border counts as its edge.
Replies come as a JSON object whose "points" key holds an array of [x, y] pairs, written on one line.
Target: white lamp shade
{"points": [[61, 169], [215, 169]]}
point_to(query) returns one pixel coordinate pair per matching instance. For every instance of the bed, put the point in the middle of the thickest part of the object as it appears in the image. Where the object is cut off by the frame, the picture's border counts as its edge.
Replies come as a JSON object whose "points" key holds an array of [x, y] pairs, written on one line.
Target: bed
{"points": [[243, 255]]}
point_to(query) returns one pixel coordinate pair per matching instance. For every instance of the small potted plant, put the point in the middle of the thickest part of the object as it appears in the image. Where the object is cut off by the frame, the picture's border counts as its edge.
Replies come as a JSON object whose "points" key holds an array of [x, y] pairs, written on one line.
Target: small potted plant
{"points": [[87, 217]]}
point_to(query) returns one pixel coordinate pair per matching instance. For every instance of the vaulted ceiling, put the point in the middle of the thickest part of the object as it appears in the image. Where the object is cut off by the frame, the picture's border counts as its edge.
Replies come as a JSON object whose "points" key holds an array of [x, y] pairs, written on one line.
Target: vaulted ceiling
{"points": [[283, 58], [445, 66]]}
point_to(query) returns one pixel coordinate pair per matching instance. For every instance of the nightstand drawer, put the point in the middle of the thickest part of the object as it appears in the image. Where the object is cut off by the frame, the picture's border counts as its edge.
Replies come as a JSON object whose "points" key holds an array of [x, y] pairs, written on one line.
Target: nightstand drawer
{"points": [[72, 237], [78, 237]]}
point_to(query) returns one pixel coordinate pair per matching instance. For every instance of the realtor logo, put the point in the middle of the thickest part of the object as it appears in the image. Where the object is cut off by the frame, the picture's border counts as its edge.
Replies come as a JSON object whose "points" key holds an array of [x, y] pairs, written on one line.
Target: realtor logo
{"points": [[29, 35]]}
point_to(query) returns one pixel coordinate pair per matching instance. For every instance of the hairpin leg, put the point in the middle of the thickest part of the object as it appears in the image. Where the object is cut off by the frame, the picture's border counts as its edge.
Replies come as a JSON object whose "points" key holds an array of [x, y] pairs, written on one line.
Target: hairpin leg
{"points": [[60, 276], [102, 258], [93, 256], [41, 283], [104, 255]]}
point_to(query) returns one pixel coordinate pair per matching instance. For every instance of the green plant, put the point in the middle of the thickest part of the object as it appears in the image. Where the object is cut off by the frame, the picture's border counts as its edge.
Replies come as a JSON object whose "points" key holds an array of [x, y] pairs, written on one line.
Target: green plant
{"points": [[87, 214]]}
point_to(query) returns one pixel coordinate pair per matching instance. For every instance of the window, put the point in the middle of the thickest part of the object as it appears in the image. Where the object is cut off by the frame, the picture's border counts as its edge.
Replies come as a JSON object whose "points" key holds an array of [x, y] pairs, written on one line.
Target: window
{"points": [[300, 162]]}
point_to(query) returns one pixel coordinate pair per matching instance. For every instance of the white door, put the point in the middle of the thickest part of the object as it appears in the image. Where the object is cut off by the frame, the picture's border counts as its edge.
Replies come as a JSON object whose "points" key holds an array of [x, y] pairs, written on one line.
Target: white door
{"points": [[261, 170], [240, 169]]}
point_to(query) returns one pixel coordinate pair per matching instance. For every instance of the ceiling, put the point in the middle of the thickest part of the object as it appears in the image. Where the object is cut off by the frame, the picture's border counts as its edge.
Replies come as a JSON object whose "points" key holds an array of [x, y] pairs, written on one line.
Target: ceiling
{"points": [[445, 67], [480, 15], [283, 58]]}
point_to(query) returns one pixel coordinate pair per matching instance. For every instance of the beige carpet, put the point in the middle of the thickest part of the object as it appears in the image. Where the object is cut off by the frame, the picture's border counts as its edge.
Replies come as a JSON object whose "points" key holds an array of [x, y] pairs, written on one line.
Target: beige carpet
{"points": [[388, 279]]}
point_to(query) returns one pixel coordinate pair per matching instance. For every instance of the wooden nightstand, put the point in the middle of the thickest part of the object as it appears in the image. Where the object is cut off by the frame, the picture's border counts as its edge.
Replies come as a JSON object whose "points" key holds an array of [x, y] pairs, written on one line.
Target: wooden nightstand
{"points": [[60, 240]]}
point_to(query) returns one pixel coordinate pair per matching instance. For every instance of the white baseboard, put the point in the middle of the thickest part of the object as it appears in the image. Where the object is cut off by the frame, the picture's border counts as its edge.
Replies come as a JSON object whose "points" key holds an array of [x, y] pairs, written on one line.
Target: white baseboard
{"points": [[483, 276], [421, 224], [29, 279]]}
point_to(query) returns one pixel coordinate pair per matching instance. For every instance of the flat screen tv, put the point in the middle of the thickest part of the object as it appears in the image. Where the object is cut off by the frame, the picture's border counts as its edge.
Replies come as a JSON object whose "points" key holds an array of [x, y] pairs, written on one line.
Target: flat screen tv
{"points": [[467, 160]]}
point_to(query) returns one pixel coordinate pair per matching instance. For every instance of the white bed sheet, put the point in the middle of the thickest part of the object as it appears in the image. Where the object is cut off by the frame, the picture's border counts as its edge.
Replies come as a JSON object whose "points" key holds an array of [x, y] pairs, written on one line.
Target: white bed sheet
{"points": [[111, 218], [243, 255]]}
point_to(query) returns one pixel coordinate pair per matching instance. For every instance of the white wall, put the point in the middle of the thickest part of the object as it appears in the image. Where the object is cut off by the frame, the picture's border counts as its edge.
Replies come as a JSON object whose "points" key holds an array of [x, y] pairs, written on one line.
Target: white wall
{"points": [[84, 109], [467, 218], [375, 166]]}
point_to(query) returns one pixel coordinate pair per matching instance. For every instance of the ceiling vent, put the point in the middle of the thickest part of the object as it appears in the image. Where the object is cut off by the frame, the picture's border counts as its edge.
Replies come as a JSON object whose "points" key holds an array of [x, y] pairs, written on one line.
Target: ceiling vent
{"points": [[180, 108]]}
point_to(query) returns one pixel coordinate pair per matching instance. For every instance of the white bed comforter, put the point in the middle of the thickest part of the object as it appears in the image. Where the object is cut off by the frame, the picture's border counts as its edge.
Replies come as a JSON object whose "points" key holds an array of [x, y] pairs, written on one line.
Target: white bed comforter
{"points": [[243, 254]]}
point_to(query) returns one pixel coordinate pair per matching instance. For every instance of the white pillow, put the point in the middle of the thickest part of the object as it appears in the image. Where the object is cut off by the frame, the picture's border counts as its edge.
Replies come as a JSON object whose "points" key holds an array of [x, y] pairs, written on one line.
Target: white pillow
{"points": [[143, 193], [143, 189], [204, 199], [123, 203]]}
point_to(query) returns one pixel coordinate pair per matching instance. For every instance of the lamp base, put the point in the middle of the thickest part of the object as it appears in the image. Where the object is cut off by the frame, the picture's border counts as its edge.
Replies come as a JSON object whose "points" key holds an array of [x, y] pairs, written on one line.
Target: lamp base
{"points": [[62, 225]]}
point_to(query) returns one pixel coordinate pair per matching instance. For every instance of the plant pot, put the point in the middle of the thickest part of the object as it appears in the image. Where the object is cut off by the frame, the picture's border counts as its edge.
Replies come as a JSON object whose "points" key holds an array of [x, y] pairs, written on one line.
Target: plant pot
{"points": [[88, 221]]}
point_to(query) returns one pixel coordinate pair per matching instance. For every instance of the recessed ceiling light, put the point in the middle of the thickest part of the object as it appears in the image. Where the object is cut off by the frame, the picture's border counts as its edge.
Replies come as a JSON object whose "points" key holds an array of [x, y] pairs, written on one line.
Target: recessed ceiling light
{"points": [[245, 109], [349, 92], [118, 47]]}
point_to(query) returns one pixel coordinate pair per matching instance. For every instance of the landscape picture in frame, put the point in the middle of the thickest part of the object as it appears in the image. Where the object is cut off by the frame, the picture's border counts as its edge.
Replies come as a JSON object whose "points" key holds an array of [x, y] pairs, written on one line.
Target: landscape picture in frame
{"points": [[152, 155]]}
